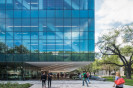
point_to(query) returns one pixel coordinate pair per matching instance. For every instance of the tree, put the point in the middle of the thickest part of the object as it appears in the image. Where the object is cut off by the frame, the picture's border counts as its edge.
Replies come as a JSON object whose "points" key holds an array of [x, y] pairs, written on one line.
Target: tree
{"points": [[118, 42], [21, 49], [92, 67], [3, 47], [106, 60]]}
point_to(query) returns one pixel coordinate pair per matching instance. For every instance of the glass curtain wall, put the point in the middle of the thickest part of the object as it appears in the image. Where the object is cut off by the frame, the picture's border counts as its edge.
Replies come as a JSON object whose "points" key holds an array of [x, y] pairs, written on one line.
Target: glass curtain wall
{"points": [[46, 30]]}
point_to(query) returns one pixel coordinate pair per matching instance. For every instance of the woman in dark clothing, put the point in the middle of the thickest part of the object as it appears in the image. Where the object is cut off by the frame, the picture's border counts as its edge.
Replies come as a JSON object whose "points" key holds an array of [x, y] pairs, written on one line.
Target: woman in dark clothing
{"points": [[58, 76], [49, 79], [43, 78]]}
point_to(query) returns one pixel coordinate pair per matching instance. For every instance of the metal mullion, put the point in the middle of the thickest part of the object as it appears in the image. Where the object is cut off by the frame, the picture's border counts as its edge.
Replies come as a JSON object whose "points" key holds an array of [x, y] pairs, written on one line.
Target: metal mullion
{"points": [[46, 33], [63, 31], [71, 30], [30, 30], [38, 34]]}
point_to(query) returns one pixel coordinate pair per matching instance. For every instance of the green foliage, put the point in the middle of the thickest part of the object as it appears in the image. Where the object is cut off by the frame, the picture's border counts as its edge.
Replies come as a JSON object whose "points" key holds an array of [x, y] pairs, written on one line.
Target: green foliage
{"points": [[118, 42], [14, 85], [92, 67]]}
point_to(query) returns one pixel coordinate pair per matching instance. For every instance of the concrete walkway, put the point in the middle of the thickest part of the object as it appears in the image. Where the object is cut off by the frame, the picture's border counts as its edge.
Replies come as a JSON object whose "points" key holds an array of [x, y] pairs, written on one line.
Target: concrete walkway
{"points": [[71, 84]]}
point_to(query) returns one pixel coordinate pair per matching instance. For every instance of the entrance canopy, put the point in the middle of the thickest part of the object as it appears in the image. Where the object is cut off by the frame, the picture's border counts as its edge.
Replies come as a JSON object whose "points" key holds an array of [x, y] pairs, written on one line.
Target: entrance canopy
{"points": [[58, 66]]}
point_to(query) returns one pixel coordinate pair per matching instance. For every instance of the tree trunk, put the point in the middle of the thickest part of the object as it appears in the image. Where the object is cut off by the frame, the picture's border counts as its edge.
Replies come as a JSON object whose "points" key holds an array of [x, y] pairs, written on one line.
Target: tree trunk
{"points": [[128, 72]]}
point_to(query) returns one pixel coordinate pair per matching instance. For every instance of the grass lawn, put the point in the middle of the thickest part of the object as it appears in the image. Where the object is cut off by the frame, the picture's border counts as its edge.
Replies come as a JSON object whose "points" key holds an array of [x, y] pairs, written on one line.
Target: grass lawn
{"points": [[14, 85], [127, 81]]}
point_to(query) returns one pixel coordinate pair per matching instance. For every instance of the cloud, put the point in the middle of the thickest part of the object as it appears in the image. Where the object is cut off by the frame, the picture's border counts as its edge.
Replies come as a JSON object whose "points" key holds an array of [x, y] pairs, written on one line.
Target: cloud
{"points": [[115, 11], [111, 14]]}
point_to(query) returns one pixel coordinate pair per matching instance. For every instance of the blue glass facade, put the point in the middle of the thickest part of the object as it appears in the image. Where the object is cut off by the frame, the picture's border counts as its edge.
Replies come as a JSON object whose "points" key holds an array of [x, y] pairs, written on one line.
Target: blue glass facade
{"points": [[46, 30]]}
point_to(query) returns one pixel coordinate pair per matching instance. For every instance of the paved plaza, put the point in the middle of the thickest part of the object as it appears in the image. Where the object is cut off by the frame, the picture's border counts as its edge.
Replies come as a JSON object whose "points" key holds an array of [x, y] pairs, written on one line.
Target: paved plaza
{"points": [[71, 84]]}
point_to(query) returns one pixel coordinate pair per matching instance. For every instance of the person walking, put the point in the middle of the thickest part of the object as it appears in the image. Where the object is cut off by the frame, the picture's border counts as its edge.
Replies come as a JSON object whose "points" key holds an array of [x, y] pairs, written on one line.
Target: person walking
{"points": [[79, 74], [43, 79], [88, 75], [118, 76], [84, 76], [49, 79], [58, 76]]}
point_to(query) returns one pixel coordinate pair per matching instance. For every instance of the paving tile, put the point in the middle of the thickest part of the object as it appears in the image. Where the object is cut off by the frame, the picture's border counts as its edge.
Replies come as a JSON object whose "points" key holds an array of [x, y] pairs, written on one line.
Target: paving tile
{"points": [[70, 84]]}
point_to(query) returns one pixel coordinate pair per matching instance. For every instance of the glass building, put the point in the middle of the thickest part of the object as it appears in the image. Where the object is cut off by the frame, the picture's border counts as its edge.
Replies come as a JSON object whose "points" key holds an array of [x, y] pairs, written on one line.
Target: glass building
{"points": [[44, 31]]}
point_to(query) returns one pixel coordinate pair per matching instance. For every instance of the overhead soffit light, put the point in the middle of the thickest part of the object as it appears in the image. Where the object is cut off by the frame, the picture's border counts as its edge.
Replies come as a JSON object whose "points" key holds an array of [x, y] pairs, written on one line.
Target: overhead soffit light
{"points": [[43, 26]]}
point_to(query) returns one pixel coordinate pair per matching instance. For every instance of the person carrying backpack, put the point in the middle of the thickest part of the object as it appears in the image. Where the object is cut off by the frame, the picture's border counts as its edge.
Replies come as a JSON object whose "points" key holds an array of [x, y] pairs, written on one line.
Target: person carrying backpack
{"points": [[84, 76], [43, 78]]}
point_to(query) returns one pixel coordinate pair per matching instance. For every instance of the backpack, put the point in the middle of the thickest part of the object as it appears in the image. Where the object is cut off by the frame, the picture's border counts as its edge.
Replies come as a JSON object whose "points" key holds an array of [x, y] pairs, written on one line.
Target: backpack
{"points": [[85, 75]]}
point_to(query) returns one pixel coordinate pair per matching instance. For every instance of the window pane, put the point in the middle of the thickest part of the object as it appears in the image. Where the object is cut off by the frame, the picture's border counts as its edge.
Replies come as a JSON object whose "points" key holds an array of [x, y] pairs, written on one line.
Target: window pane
{"points": [[50, 4], [2, 14], [75, 25], [84, 13], [91, 4], [42, 13], [18, 57], [67, 46], [67, 25], [34, 35], [42, 57], [42, 24], [34, 57], [59, 25], [9, 4], [42, 35], [34, 13], [50, 45], [91, 35], [84, 35], [17, 35], [2, 35], [18, 4], [17, 13], [51, 24], [34, 46], [3, 46], [26, 35], [26, 25], [42, 46], [67, 4], [9, 35], [9, 24], [59, 13], [91, 45], [59, 4], [50, 35], [26, 44], [75, 46], [75, 57], [34, 25], [2, 4], [34, 4], [9, 43], [84, 4], [75, 4], [75, 35], [59, 35], [83, 24], [84, 46], [9, 57], [9, 13], [67, 13], [17, 24], [59, 46], [91, 25]]}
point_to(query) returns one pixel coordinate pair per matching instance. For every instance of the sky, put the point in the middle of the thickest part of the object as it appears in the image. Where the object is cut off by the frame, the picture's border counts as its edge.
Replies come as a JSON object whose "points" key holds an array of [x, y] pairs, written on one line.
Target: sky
{"points": [[111, 14]]}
